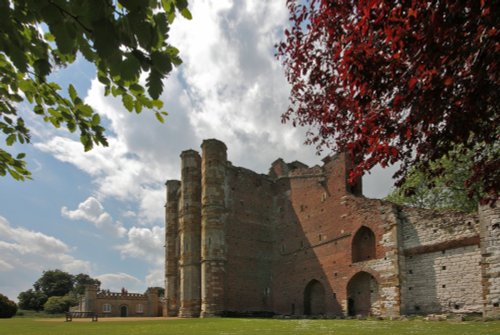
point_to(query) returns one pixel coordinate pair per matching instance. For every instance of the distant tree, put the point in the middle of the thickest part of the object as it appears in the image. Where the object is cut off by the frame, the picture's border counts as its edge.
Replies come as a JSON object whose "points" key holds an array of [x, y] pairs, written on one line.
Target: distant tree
{"points": [[32, 300], [443, 190], [82, 279], [8, 308], [398, 81], [121, 38], [161, 291], [54, 283], [55, 305]]}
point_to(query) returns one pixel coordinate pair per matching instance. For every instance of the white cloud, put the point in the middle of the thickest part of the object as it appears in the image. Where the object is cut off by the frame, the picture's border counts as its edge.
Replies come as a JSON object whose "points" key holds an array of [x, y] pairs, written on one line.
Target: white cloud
{"points": [[116, 281], [91, 210], [145, 244], [24, 254]]}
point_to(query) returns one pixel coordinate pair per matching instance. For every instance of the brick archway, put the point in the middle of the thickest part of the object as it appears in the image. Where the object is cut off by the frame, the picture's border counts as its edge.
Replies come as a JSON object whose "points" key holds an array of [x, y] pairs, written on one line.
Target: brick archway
{"points": [[314, 298], [362, 293]]}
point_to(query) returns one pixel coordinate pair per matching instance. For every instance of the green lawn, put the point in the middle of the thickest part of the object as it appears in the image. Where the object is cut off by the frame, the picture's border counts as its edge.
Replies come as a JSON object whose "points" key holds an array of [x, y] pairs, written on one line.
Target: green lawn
{"points": [[29, 326]]}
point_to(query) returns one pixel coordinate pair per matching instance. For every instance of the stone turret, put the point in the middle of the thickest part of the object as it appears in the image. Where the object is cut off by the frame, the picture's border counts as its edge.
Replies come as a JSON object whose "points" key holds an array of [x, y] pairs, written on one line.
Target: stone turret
{"points": [[171, 246], [190, 234], [89, 299], [213, 247]]}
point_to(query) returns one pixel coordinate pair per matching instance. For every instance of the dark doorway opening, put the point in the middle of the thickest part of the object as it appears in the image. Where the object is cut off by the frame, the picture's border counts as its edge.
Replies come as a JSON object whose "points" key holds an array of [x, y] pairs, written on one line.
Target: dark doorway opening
{"points": [[123, 311], [314, 298], [362, 292]]}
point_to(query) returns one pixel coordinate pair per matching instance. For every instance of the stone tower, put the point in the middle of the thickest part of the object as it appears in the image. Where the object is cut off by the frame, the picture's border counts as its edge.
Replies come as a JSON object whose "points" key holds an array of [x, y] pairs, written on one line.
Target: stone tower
{"points": [[213, 212], [171, 246], [190, 234], [89, 300]]}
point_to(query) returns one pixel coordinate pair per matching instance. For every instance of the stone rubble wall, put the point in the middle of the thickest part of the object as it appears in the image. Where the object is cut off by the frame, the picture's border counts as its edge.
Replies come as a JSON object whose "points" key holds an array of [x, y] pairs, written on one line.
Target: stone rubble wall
{"points": [[442, 271], [447, 281], [490, 251]]}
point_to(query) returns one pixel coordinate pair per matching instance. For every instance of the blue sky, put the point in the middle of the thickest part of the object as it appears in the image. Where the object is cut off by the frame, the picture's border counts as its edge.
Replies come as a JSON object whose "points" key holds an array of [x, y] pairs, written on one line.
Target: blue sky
{"points": [[101, 212]]}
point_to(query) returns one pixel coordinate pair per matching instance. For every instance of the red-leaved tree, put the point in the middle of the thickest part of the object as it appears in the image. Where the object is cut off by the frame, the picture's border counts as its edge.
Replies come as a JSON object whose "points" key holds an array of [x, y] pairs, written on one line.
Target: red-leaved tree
{"points": [[398, 81]]}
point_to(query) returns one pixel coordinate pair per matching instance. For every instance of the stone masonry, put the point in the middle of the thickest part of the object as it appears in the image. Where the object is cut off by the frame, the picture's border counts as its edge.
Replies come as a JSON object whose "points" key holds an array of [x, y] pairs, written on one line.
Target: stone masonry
{"points": [[302, 241]]}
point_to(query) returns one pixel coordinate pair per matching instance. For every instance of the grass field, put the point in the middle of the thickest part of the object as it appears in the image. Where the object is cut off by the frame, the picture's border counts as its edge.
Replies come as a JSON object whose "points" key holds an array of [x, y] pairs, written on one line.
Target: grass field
{"points": [[30, 326]]}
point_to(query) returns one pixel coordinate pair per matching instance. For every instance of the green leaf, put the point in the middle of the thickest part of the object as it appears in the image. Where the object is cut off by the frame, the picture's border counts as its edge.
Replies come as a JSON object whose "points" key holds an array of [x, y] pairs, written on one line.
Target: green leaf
{"points": [[154, 84], [10, 139], [128, 102], [159, 117], [86, 110], [161, 61], [42, 67], [157, 103], [86, 141], [138, 106], [167, 5], [96, 120], [186, 13], [130, 68], [72, 92]]}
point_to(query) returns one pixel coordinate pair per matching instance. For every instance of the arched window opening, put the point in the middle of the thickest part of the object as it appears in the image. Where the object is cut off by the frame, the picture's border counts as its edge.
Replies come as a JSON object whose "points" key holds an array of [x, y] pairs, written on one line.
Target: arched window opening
{"points": [[363, 245], [314, 298]]}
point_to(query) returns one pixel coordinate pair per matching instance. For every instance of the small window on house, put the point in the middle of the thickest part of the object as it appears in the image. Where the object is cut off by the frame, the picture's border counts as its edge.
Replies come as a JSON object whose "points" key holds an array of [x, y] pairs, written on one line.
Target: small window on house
{"points": [[139, 308], [106, 308], [320, 237], [443, 268]]}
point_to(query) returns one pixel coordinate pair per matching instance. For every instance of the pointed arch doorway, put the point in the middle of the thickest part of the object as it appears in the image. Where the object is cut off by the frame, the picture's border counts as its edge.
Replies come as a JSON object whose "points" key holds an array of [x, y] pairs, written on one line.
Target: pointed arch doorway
{"points": [[314, 298], [123, 311]]}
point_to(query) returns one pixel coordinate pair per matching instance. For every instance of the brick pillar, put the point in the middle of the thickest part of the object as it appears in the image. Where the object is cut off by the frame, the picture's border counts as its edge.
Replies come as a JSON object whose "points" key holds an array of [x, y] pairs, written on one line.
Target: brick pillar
{"points": [[190, 234], [213, 248], [171, 254], [489, 221]]}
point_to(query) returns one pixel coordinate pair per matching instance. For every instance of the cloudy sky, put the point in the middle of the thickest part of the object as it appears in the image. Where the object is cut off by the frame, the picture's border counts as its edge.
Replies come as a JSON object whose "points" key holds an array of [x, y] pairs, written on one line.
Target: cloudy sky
{"points": [[101, 212]]}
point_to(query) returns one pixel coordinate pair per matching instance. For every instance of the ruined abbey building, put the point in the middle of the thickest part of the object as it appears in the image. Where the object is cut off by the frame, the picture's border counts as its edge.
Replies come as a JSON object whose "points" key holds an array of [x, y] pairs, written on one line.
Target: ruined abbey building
{"points": [[302, 241]]}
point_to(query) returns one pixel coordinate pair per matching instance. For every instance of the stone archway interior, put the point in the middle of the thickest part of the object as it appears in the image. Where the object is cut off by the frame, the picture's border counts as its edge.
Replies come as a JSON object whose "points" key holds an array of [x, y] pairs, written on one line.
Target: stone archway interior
{"points": [[314, 298], [362, 294]]}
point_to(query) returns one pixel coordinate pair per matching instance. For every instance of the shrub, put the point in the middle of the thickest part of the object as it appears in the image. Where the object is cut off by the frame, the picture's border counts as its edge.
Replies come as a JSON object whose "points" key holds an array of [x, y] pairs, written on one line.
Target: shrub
{"points": [[8, 308], [55, 305]]}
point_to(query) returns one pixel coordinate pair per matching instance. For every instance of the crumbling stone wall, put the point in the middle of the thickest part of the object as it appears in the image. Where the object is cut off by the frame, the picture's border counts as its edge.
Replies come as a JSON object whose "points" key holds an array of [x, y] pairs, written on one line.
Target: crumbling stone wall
{"points": [[490, 261]]}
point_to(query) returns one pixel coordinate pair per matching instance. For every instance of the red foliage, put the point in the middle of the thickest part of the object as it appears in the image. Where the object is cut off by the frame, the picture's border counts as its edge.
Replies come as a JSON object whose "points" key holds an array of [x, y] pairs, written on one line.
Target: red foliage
{"points": [[397, 81]]}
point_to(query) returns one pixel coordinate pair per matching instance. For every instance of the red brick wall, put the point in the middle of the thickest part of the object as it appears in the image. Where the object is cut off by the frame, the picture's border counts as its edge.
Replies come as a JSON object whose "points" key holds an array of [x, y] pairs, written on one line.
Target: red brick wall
{"points": [[249, 240]]}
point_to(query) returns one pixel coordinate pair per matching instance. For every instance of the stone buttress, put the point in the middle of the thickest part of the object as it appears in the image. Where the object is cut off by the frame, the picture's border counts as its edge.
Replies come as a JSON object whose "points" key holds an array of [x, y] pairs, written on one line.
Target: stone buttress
{"points": [[190, 234], [171, 245], [213, 248]]}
